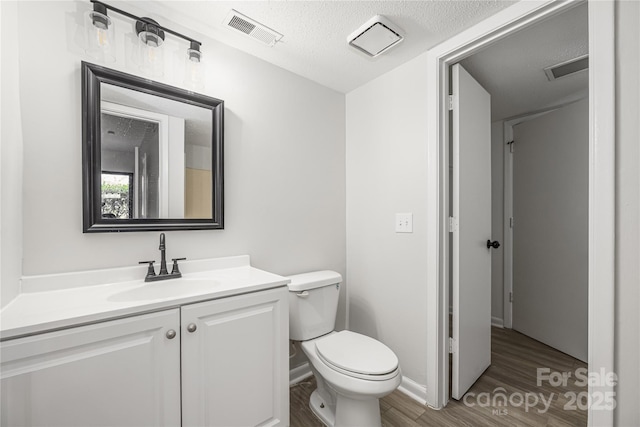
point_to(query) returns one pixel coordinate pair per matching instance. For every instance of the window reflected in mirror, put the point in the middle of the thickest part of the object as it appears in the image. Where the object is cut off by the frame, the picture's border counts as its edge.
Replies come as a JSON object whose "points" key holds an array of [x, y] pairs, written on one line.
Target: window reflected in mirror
{"points": [[117, 191]]}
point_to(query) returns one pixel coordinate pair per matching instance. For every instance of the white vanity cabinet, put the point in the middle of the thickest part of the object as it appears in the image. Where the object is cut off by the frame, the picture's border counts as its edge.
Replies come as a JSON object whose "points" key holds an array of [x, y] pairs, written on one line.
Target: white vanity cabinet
{"points": [[235, 364], [122, 372], [221, 362]]}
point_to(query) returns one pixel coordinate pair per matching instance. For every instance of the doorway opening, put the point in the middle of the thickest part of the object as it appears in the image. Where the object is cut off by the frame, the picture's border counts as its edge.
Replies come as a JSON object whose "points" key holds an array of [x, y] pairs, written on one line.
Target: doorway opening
{"points": [[601, 182], [548, 199]]}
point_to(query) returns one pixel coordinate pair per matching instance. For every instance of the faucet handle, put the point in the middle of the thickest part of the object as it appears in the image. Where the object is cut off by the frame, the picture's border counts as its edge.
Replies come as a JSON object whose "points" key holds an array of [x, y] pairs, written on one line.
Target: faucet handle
{"points": [[175, 269], [151, 272]]}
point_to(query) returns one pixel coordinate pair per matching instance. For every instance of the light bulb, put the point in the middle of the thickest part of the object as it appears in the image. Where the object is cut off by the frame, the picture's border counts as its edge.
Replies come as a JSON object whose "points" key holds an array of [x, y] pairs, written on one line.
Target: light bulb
{"points": [[193, 68], [151, 59], [193, 74], [102, 38]]}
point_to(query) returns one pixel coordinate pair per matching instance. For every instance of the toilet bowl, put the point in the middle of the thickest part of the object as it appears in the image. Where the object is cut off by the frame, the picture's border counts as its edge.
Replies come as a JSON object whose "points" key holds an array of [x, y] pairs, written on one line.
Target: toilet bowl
{"points": [[352, 371], [354, 376]]}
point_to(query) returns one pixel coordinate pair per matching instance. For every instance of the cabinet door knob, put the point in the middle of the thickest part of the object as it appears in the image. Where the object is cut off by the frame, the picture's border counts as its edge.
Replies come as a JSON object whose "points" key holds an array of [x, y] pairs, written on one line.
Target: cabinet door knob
{"points": [[192, 327], [171, 334]]}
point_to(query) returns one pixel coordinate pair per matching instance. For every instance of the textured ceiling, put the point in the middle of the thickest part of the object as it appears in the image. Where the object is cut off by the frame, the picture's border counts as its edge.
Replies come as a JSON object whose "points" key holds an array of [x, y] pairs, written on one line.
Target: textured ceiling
{"points": [[314, 43], [124, 133], [512, 70], [197, 119]]}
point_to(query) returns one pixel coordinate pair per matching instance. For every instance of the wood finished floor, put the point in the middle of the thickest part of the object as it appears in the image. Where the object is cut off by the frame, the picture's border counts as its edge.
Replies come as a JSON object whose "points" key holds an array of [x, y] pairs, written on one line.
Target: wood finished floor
{"points": [[515, 358]]}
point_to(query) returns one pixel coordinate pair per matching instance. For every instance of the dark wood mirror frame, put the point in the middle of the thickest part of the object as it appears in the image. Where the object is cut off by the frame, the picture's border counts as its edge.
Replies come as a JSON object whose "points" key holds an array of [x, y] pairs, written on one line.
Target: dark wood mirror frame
{"points": [[92, 78]]}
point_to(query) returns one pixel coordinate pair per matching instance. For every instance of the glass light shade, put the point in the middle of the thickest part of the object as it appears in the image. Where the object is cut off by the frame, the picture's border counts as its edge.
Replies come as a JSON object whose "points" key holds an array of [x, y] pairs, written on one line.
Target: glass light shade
{"points": [[99, 37], [151, 54], [193, 70], [150, 38]]}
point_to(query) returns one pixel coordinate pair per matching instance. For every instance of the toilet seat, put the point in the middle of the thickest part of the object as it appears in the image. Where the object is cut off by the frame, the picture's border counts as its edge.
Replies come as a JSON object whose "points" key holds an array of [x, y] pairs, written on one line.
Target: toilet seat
{"points": [[357, 355]]}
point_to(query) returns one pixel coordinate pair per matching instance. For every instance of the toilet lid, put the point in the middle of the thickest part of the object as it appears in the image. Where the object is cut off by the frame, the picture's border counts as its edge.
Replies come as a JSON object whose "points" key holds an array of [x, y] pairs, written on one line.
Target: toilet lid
{"points": [[357, 353]]}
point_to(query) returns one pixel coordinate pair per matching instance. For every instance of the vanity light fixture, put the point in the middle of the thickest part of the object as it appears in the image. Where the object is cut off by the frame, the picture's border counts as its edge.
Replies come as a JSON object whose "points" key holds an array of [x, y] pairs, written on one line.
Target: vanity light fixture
{"points": [[151, 35], [150, 39], [149, 32], [99, 34], [193, 74]]}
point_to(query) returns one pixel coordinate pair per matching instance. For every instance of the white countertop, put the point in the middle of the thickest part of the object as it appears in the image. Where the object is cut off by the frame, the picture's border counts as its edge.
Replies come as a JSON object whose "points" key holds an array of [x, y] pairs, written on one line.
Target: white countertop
{"points": [[64, 300]]}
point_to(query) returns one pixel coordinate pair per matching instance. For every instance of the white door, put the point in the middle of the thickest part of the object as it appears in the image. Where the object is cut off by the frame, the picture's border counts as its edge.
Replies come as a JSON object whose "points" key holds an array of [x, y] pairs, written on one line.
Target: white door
{"points": [[235, 364], [550, 232], [472, 229], [120, 373]]}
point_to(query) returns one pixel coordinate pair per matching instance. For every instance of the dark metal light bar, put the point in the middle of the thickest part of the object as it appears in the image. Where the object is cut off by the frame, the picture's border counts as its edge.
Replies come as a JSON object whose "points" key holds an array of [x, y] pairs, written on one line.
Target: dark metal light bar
{"points": [[146, 20]]}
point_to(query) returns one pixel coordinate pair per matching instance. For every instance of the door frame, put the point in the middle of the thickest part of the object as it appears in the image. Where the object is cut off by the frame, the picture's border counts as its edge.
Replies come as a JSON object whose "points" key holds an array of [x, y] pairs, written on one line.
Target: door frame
{"points": [[163, 145], [601, 183]]}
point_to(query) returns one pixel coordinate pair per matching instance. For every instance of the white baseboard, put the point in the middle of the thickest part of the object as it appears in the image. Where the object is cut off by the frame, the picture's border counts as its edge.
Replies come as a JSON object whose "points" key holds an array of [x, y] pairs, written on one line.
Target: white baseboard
{"points": [[497, 321], [414, 390], [299, 373]]}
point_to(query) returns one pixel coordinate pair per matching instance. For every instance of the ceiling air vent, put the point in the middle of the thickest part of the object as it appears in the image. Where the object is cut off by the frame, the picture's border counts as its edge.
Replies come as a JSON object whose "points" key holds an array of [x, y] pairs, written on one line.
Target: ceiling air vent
{"points": [[252, 28], [377, 35], [567, 68]]}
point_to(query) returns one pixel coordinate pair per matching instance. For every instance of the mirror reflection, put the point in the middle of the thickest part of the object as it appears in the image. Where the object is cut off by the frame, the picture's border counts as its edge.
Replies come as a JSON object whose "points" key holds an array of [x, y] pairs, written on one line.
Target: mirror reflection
{"points": [[152, 155], [156, 158]]}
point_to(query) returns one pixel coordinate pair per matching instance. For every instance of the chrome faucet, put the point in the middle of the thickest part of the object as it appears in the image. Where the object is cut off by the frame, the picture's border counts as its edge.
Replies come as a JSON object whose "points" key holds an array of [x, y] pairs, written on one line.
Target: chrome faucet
{"points": [[163, 274]]}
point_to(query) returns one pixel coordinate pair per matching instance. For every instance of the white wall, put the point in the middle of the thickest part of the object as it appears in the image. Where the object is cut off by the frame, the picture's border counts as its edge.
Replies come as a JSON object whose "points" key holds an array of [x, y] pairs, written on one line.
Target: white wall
{"points": [[386, 174], [11, 157], [117, 161], [284, 159], [627, 313], [198, 157]]}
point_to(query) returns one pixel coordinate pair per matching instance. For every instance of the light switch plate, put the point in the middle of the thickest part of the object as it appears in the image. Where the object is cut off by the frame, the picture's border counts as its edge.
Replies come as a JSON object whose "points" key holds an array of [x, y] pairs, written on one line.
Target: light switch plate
{"points": [[404, 223]]}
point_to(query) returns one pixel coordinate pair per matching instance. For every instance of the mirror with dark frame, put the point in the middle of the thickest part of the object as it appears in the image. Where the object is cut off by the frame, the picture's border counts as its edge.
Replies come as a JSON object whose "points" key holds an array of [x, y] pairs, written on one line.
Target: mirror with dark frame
{"points": [[152, 155]]}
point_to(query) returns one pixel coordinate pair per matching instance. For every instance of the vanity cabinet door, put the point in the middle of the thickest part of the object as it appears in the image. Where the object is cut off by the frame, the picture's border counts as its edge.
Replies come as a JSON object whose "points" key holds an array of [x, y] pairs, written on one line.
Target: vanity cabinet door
{"points": [[124, 372], [235, 365]]}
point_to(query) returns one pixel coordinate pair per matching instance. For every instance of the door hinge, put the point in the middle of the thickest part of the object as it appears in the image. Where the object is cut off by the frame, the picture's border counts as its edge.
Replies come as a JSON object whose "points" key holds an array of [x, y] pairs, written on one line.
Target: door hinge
{"points": [[452, 345], [510, 296], [451, 100], [510, 144], [453, 224], [511, 222]]}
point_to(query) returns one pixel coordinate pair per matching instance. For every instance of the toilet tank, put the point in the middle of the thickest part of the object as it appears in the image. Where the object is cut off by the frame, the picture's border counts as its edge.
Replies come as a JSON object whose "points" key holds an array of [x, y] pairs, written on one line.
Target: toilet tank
{"points": [[313, 303]]}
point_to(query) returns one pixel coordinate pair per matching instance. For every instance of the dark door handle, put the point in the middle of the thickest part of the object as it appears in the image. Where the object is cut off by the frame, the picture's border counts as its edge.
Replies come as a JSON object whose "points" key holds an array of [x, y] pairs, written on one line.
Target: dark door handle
{"points": [[495, 244]]}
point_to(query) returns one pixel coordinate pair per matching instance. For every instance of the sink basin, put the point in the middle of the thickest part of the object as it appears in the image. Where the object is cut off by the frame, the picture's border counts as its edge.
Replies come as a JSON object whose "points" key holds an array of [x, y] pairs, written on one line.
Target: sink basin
{"points": [[169, 289]]}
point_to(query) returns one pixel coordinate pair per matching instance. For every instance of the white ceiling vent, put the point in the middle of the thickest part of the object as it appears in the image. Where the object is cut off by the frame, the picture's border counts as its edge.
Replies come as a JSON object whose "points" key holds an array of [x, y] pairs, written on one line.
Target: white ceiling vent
{"points": [[377, 35], [252, 28], [567, 68]]}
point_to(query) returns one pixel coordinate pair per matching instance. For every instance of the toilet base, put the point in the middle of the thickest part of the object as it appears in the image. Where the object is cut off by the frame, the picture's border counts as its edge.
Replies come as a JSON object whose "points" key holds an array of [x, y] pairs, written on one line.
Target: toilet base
{"points": [[322, 409], [357, 413], [346, 412]]}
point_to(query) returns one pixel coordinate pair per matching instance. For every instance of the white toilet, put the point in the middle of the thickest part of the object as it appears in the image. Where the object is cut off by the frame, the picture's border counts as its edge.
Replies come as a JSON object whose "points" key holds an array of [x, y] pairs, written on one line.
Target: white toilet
{"points": [[352, 370]]}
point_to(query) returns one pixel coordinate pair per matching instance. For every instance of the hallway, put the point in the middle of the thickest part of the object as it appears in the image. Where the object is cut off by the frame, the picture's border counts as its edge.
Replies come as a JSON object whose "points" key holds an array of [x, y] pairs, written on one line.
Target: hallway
{"points": [[513, 374]]}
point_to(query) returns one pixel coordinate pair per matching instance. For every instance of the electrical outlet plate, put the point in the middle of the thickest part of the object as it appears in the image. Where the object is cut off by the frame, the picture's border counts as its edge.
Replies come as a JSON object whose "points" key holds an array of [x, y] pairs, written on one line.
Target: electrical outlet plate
{"points": [[404, 223]]}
